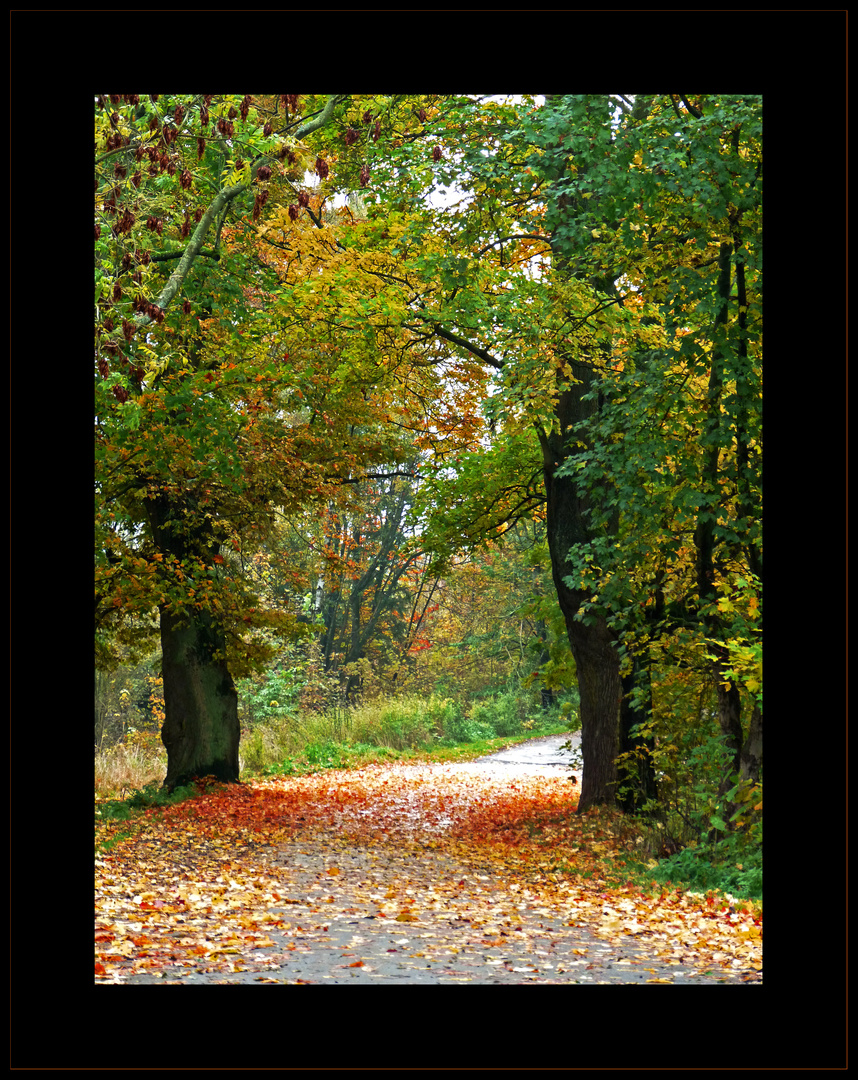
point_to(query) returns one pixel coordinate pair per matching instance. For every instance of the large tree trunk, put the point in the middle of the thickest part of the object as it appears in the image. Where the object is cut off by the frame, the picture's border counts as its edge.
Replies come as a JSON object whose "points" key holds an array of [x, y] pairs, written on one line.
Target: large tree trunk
{"points": [[201, 731], [597, 661], [598, 666], [592, 642]]}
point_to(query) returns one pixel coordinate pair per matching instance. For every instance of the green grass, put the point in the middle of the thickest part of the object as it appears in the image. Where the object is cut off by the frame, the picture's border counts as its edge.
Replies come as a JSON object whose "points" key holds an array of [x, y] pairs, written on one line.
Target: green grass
{"points": [[394, 729]]}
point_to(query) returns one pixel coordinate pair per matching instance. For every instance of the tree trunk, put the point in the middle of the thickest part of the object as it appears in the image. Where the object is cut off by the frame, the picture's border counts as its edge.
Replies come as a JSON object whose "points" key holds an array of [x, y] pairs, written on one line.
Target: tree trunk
{"points": [[638, 784], [597, 661], [546, 692], [201, 731], [592, 642], [751, 764], [598, 666]]}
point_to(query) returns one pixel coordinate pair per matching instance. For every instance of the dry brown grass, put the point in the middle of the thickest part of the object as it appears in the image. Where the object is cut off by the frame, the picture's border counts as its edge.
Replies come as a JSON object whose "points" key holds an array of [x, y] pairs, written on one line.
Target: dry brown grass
{"points": [[124, 768]]}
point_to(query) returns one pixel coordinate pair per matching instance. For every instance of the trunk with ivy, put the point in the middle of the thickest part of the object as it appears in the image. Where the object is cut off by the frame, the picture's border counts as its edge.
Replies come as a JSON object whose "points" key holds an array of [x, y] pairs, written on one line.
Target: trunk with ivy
{"points": [[637, 775], [201, 729], [592, 642], [744, 756]]}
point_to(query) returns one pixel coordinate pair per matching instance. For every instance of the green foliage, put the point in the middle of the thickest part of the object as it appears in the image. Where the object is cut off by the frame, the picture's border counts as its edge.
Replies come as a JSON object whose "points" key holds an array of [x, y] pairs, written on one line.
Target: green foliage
{"points": [[327, 754], [686, 826], [405, 723], [732, 865], [585, 239], [463, 729], [274, 692], [199, 387]]}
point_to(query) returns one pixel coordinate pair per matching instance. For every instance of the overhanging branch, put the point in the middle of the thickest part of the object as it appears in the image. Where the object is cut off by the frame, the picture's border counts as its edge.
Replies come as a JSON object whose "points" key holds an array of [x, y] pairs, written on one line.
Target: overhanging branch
{"points": [[463, 343], [221, 200]]}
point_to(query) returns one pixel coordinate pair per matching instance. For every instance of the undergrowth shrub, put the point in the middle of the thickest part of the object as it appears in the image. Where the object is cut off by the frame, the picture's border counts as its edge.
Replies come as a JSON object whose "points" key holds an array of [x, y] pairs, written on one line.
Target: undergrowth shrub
{"points": [[501, 715], [464, 729], [688, 828], [733, 864], [405, 723], [267, 742]]}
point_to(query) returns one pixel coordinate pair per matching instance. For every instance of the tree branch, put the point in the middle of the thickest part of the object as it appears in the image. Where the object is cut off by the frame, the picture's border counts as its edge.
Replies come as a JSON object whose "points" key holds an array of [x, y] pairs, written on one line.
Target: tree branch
{"points": [[221, 200], [164, 256], [463, 343], [371, 476], [695, 112], [504, 239]]}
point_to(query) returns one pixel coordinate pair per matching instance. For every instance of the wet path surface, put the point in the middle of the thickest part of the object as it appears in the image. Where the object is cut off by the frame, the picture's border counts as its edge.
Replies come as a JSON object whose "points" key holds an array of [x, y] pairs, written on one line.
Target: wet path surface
{"points": [[327, 909], [551, 755], [489, 934]]}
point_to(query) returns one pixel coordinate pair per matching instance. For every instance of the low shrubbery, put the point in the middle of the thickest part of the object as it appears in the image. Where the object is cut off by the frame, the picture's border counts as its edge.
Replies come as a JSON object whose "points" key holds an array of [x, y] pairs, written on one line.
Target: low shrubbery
{"points": [[701, 839], [404, 725]]}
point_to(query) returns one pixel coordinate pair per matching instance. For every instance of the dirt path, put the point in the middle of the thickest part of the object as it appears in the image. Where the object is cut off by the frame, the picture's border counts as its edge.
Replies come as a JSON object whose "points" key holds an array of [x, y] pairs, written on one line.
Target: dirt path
{"points": [[408, 905]]}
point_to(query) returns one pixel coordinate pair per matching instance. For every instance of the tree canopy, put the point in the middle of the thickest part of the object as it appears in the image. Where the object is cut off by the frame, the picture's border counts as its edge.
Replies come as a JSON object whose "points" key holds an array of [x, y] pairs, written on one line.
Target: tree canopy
{"points": [[427, 320]]}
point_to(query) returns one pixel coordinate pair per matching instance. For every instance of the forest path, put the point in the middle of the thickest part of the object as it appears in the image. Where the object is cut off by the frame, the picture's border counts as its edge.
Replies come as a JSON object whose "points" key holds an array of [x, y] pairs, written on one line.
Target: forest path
{"points": [[405, 873]]}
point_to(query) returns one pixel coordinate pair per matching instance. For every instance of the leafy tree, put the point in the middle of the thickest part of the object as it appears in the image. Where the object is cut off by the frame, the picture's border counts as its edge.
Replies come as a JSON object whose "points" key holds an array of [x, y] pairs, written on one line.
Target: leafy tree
{"points": [[572, 216], [366, 576], [678, 443], [506, 292], [213, 405], [597, 259]]}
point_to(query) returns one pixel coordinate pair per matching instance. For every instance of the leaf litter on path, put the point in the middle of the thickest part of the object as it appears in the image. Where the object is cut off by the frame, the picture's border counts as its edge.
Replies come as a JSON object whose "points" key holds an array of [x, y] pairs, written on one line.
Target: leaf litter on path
{"points": [[438, 874]]}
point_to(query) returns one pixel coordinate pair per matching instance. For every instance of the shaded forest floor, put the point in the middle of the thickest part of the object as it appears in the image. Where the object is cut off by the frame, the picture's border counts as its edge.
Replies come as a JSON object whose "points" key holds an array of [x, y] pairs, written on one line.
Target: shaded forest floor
{"points": [[400, 873]]}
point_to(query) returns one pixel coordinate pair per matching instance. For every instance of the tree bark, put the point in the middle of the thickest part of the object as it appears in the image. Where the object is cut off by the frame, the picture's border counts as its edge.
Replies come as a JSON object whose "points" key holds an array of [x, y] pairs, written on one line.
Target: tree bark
{"points": [[751, 762], [599, 686], [201, 731], [597, 661]]}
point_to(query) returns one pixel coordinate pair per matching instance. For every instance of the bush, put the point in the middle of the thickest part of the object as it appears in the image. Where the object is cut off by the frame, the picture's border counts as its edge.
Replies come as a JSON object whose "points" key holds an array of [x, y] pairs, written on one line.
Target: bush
{"points": [[733, 865], [404, 724], [463, 729], [501, 715], [327, 754], [265, 698], [268, 742]]}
